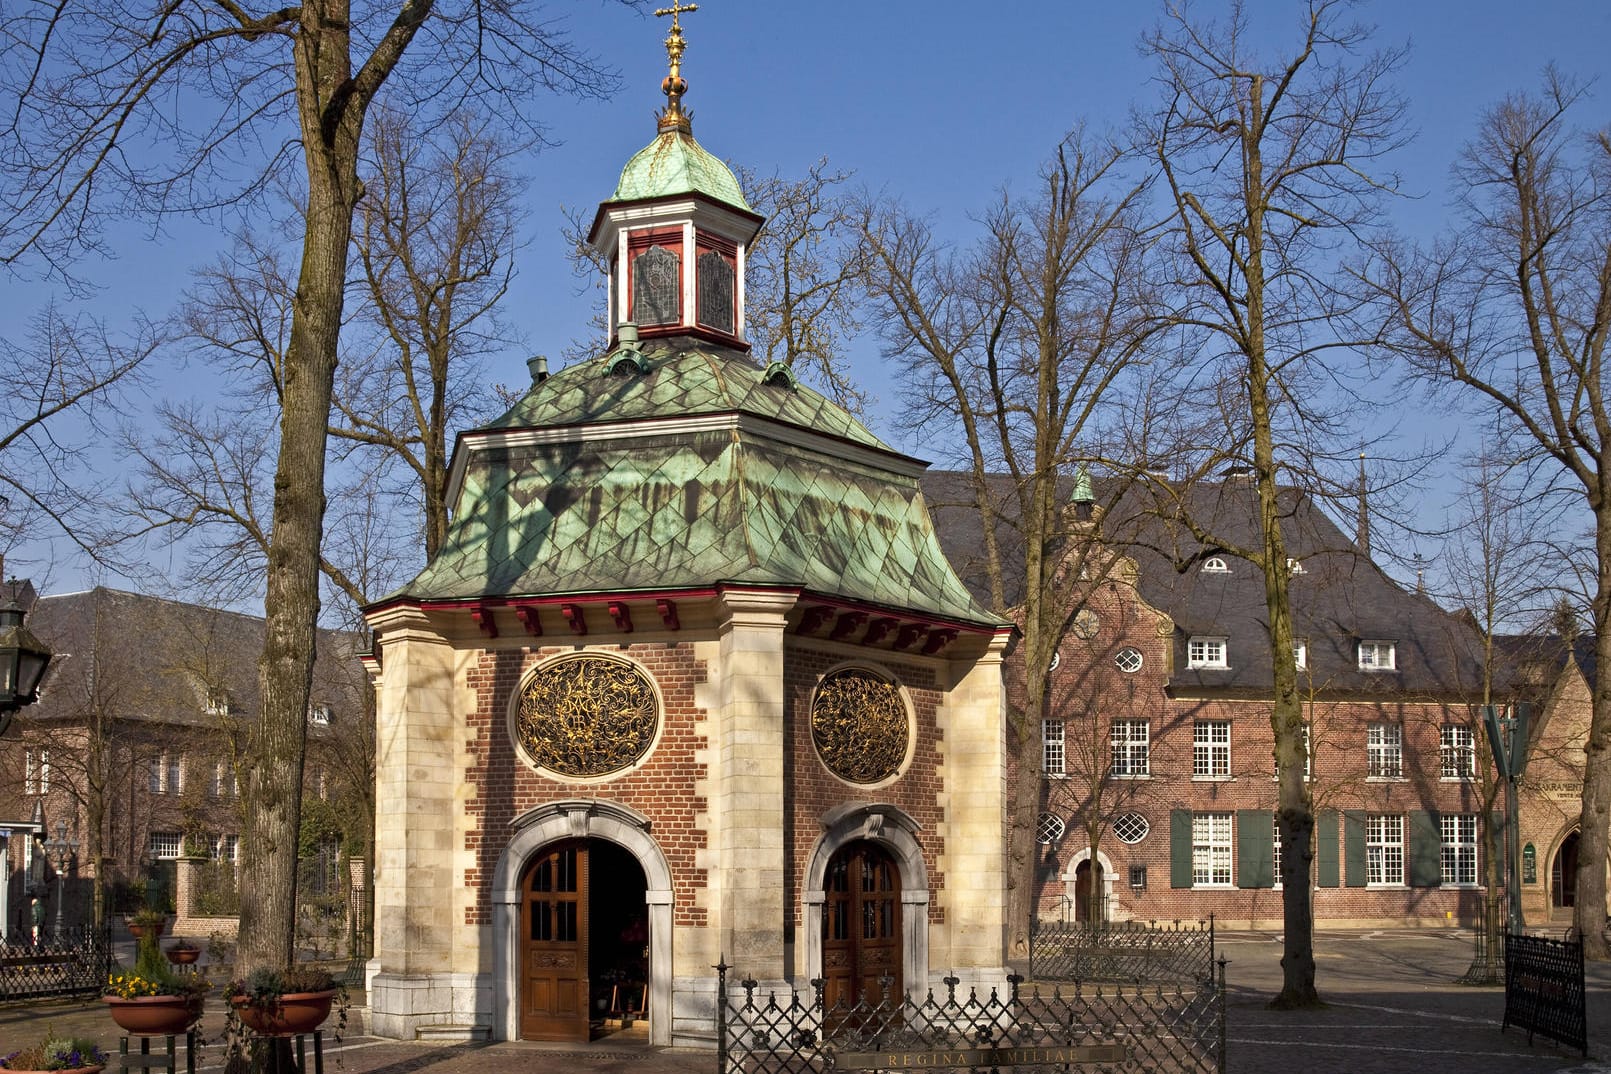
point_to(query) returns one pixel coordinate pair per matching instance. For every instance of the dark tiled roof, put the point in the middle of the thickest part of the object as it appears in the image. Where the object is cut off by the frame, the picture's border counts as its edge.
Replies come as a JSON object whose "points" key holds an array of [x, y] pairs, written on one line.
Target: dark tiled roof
{"points": [[1340, 598], [157, 660], [1533, 661]]}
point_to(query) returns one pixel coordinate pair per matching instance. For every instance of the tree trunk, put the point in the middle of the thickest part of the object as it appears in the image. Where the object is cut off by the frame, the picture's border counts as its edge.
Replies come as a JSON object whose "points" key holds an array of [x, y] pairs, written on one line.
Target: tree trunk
{"points": [[331, 121], [1589, 913]]}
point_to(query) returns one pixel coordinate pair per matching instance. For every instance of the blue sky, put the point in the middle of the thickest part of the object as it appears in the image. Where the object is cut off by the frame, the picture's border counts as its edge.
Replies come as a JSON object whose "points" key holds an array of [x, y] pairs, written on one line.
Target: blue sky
{"points": [[941, 103]]}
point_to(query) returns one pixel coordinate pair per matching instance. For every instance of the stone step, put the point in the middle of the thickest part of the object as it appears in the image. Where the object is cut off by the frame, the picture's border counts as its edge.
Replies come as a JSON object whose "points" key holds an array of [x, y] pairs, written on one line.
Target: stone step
{"points": [[453, 1034]]}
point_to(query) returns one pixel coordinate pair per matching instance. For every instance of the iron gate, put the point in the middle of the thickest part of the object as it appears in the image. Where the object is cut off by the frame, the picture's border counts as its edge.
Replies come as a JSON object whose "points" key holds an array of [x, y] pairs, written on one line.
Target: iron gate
{"points": [[76, 963], [1175, 1029], [1129, 952]]}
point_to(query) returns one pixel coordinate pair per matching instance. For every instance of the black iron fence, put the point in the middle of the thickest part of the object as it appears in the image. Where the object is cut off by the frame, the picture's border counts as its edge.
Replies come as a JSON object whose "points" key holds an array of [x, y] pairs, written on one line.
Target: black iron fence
{"points": [[1544, 989], [1174, 1029], [1130, 951], [75, 964]]}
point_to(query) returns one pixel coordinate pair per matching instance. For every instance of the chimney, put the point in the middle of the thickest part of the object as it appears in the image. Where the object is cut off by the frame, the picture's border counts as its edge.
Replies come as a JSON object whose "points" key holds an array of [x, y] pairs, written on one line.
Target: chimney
{"points": [[538, 364], [626, 334]]}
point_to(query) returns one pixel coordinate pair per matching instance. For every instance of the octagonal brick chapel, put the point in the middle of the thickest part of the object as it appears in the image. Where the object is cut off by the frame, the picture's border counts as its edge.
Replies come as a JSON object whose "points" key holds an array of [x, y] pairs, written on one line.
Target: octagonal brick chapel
{"points": [[689, 680]]}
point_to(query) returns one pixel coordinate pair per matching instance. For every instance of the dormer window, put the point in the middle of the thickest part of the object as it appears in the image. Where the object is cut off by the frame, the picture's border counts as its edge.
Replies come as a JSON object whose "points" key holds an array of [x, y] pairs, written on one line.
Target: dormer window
{"points": [[1377, 656], [1215, 565], [1206, 653], [217, 703], [1295, 566], [319, 714]]}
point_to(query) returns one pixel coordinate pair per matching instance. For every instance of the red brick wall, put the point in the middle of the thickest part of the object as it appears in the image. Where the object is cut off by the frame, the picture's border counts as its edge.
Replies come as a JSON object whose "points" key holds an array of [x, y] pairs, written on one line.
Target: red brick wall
{"points": [[503, 786]]}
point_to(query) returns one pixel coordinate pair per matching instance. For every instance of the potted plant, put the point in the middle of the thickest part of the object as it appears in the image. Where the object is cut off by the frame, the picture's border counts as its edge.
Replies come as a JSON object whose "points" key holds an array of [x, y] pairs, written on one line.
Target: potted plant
{"points": [[283, 1003], [149, 919], [183, 953], [154, 1001], [56, 1053]]}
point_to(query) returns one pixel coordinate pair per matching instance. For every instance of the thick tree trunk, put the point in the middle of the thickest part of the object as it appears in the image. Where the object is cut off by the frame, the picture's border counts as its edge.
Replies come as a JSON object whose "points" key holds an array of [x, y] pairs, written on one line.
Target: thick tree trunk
{"points": [[1589, 914]]}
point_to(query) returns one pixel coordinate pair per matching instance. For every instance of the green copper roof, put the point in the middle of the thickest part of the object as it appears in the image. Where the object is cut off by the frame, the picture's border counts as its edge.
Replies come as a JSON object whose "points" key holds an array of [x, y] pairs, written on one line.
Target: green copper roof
{"points": [[675, 164], [689, 508], [685, 379]]}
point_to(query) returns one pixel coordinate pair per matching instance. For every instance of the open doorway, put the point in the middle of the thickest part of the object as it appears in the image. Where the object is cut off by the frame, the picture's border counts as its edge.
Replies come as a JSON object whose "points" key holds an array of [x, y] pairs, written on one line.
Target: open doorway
{"points": [[584, 942], [1563, 875]]}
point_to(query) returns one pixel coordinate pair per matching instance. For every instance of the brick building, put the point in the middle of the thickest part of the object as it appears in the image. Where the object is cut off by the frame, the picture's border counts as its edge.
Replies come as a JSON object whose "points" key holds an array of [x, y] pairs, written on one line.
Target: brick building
{"points": [[1159, 782], [689, 680], [135, 745]]}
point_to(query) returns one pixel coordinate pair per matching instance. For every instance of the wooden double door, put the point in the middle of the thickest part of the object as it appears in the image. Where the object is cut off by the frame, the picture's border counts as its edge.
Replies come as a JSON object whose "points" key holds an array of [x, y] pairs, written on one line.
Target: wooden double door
{"points": [[554, 985], [861, 926]]}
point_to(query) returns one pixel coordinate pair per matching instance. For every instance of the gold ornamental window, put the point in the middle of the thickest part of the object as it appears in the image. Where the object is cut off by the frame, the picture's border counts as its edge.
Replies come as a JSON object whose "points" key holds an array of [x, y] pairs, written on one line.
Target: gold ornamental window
{"points": [[859, 725], [587, 716]]}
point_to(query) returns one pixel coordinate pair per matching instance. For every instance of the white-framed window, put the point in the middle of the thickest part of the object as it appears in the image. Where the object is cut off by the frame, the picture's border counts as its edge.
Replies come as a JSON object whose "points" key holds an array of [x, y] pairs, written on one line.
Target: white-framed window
{"points": [[36, 772], [1128, 660], [1295, 566], [1384, 751], [1215, 565], [167, 773], [217, 703], [165, 845], [1206, 653], [225, 784], [1384, 849], [1458, 752], [319, 714], [319, 782], [1211, 850], [1378, 656], [1131, 828], [1051, 741], [1459, 832], [1300, 655], [1211, 749], [1049, 829], [226, 848], [1129, 749]]}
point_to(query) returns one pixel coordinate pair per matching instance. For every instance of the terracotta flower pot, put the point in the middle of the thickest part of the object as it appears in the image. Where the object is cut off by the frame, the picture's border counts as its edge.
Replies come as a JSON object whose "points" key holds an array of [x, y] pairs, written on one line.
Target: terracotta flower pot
{"points": [[294, 1014], [74, 1070], [183, 956], [154, 1016]]}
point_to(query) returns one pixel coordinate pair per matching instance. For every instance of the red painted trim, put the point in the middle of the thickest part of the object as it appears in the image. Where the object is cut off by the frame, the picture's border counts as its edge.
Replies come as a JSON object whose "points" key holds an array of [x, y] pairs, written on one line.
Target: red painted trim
{"points": [[641, 242], [621, 614], [575, 617], [484, 619], [877, 630], [527, 614], [604, 210], [668, 614], [848, 624]]}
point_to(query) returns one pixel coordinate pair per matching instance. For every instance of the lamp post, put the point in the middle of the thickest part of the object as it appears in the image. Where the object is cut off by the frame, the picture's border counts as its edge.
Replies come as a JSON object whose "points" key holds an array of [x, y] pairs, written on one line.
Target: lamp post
{"points": [[1507, 739], [61, 850], [23, 659]]}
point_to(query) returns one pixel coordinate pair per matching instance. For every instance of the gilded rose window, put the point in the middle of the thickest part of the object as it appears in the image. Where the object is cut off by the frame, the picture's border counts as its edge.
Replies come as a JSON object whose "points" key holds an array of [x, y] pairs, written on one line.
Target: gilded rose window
{"points": [[859, 725], [587, 716]]}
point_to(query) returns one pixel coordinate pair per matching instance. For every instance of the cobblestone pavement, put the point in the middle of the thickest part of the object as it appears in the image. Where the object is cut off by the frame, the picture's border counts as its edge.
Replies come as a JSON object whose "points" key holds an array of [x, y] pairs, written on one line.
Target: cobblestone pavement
{"points": [[1392, 1008]]}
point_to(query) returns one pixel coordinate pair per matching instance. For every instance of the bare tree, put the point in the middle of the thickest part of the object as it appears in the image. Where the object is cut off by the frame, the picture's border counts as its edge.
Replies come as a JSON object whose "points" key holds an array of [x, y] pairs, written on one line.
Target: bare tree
{"points": [[1264, 164], [1024, 344], [170, 108], [1514, 310]]}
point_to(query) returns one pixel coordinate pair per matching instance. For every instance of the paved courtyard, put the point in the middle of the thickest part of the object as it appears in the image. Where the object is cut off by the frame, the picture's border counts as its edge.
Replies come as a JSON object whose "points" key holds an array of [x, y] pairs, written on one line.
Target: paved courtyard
{"points": [[1392, 1008]]}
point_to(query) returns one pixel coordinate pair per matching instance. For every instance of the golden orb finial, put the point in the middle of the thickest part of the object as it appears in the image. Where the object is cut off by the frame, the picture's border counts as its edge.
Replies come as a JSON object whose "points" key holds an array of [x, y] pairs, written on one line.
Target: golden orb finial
{"points": [[673, 117]]}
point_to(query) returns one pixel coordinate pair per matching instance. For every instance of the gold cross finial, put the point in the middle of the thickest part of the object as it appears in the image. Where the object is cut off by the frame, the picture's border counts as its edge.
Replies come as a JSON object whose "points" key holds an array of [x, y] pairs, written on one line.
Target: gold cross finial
{"points": [[673, 117]]}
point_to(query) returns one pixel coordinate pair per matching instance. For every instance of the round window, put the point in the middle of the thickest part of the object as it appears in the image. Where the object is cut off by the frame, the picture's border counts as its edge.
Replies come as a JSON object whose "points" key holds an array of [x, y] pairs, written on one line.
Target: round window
{"points": [[1131, 828], [587, 716], [859, 726], [1048, 829], [1128, 659]]}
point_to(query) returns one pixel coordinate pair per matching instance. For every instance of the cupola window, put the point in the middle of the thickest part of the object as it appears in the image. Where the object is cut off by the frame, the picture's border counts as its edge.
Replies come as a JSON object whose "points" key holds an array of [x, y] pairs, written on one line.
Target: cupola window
{"points": [[717, 274], [656, 284]]}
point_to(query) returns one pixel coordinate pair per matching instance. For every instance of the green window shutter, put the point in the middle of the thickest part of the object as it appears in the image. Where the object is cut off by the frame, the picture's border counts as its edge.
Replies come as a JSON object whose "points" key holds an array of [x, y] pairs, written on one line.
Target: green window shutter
{"points": [[1354, 848], [1255, 849], [1425, 851], [1180, 848], [1326, 849]]}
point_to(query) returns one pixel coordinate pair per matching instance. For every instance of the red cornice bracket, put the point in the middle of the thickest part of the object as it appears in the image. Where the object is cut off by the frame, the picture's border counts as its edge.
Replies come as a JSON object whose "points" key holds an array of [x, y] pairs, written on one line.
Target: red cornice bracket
{"points": [[939, 640], [847, 625], [814, 617], [621, 614], [909, 635], [877, 631], [527, 614], [668, 614], [573, 615], [484, 619]]}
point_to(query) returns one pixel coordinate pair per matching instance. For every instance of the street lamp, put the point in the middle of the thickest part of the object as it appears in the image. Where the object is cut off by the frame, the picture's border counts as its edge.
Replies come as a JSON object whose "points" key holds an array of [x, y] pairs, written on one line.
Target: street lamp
{"points": [[1507, 738], [60, 849], [23, 659]]}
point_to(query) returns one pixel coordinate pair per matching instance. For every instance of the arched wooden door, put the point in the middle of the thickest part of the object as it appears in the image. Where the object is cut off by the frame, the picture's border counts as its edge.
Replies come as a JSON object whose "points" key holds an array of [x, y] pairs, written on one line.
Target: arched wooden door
{"points": [[861, 925], [1563, 874], [554, 987], [1087, 886]]}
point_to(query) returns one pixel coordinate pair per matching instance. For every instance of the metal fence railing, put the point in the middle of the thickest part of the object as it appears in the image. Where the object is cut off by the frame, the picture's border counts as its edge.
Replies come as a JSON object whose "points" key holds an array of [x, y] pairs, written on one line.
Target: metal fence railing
{"points": [[1130, 951], [75, 964], [1544, 989], [1168, 1029]]}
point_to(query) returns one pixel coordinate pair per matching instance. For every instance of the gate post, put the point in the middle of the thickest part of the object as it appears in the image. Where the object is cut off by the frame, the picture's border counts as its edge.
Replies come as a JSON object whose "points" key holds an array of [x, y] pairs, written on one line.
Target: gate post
{"points": [[721, 1016]]}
